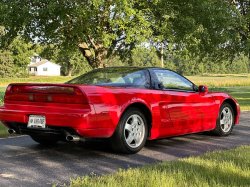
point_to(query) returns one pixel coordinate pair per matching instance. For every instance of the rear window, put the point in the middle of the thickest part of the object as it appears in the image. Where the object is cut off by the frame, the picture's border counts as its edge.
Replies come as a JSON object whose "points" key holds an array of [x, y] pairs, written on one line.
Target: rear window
{"points": [[123, 77]]}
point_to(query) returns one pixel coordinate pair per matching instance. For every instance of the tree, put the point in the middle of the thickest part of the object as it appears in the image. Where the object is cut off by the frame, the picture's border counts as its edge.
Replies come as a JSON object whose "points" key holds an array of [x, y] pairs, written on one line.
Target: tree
{"points": [[101, 29], [71, 60], [6, 64], [242, 8], [73, 63], [21, 53], [199, 28]]}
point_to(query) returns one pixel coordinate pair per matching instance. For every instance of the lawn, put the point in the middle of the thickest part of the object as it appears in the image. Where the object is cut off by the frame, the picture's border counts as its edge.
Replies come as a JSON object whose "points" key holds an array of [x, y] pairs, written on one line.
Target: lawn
{"points": [[220, 168], [35, 79], [221, 80]]}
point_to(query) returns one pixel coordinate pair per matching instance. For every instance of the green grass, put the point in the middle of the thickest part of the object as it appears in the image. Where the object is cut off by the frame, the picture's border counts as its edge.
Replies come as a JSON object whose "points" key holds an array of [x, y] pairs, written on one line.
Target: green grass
{"points": [[241, 94], [220, 168], [221, 80], [35, 79], [210, 80], [2, 91], [3, 131]]}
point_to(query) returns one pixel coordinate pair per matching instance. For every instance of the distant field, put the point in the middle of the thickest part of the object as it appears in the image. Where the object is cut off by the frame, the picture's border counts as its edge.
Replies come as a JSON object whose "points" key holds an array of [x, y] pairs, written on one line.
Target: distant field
{"points": [[218, 80], [221, 80], [35, 79]]}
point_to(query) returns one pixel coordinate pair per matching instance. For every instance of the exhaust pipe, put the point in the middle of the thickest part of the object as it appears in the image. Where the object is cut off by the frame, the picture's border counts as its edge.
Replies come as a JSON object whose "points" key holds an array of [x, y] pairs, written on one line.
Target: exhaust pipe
{"points": [[73, 138], [11, 131]]}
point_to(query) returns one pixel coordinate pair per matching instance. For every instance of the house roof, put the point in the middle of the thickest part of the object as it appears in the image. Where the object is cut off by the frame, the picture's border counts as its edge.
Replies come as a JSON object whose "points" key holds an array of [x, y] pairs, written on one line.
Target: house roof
{"points": [[43, 61]]}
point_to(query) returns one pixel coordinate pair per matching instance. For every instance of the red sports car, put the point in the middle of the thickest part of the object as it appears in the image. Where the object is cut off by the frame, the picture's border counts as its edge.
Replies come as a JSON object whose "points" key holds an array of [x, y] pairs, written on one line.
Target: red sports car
{"points": [[128, 105]]}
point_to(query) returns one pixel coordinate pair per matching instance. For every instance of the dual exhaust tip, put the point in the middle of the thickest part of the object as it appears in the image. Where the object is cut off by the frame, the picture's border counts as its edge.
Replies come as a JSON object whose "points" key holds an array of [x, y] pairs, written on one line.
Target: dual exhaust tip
{"points": [[70, 138], [11, 131], [74, 138]]}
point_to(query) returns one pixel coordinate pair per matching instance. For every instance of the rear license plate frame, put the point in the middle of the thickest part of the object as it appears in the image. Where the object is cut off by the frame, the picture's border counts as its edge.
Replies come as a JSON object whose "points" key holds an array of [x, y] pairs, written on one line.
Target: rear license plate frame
{"points": [[37, 122]]}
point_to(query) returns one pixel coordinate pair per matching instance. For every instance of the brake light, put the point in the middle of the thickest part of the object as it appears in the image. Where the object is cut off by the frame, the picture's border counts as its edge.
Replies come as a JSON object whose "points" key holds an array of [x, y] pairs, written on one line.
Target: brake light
{"points": [[77, 91], [9, 88], [50, 94], [44, 89]]}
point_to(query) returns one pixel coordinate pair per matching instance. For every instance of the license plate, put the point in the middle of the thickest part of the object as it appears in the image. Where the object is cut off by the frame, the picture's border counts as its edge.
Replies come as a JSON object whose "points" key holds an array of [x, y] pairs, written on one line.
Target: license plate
{"points": [[36, 121]]}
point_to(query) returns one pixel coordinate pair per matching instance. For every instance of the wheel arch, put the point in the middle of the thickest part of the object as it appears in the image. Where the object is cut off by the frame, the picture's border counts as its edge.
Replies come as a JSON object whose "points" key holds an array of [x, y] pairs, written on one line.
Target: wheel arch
{"points": [[232, 104], [145, 110]]}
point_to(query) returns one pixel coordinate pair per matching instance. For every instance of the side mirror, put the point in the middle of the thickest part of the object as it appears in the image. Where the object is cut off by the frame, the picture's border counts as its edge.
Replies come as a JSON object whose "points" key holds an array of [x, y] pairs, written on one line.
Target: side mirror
{"points": [[203, 90]]}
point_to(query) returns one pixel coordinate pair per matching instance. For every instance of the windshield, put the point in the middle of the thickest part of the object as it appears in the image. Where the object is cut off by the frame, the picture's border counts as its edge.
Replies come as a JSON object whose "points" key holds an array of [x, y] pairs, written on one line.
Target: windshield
{"points": [[122, 77]]}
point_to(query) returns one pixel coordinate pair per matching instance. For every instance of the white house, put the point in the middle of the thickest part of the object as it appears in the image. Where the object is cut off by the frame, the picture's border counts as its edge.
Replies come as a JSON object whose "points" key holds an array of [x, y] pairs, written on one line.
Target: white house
{"points": [[40, 66]]}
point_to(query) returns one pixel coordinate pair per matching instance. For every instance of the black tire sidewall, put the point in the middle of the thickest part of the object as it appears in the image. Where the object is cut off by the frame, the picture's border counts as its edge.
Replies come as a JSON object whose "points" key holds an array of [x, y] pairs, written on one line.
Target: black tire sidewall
{"points": [[218, 126], [122, 123]]}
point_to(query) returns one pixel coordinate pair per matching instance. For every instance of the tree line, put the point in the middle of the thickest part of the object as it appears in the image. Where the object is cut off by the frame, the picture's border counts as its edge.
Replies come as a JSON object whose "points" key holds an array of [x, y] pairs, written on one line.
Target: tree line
{"points": [[186, 65], [14, 61]]}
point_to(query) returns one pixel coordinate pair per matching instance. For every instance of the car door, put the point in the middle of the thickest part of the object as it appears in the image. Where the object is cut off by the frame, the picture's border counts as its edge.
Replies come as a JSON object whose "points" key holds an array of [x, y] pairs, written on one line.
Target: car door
{"points": [[187, 108]]}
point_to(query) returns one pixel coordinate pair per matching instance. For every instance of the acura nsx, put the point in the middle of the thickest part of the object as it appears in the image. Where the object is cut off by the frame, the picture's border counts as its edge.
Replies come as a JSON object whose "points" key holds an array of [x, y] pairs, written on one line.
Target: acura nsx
{"points": [[127, 105]]}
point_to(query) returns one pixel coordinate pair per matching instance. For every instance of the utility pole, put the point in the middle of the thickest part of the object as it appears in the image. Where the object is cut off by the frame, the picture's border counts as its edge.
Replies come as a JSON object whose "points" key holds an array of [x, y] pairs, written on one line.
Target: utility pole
{"points": [[162, 65]]}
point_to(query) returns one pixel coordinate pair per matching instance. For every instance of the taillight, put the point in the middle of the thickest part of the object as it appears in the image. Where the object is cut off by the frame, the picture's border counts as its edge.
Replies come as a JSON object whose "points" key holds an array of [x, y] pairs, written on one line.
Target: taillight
{"points": [[9, 88], [77, 91], [51, 94]]}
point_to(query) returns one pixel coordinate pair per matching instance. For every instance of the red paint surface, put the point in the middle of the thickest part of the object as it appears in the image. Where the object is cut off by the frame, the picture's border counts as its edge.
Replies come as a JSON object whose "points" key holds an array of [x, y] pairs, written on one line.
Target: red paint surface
{"points": [[173, 113]]}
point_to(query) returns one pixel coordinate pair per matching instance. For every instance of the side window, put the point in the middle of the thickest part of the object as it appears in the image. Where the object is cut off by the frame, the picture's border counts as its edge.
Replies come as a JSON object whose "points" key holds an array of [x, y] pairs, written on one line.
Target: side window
{"points": [[137, 78], [172, 80]]}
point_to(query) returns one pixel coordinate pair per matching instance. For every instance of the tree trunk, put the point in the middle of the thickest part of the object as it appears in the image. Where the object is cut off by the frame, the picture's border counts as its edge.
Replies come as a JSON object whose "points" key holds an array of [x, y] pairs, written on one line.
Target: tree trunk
{"points": [[98, 59], [70, 72], [162, 63], [69, 69]]}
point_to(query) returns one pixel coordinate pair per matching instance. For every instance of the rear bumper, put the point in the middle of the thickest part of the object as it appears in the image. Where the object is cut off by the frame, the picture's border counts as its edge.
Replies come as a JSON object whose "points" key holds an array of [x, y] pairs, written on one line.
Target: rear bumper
{"points": [[73, 115], [79, 119]]}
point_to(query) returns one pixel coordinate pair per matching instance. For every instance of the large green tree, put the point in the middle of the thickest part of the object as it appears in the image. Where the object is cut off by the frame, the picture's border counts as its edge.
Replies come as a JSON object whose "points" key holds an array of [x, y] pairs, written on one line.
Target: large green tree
{"points": [[242, 9], [199, 28], [103, 29]]}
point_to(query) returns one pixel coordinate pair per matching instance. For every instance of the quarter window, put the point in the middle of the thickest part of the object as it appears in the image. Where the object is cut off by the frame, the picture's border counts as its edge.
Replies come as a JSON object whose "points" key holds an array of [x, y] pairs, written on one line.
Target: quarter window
{"points": [[172, 80]]}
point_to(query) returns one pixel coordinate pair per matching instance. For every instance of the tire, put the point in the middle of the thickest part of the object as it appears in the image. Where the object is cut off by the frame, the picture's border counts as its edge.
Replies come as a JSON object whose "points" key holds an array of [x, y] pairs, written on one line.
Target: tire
{"points": [[225, 121], [131, 132], [44, 140]]}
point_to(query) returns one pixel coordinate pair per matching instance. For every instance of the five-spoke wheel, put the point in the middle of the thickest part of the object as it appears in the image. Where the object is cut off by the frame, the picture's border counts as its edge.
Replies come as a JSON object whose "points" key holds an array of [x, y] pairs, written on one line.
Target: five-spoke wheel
{"points": [[225, 121], [131, 132], [134, 131]]}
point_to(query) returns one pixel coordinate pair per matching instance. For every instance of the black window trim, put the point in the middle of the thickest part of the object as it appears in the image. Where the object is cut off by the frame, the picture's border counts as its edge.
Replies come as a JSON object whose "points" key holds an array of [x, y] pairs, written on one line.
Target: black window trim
{"points": [[145, 70], [154, 78]]}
